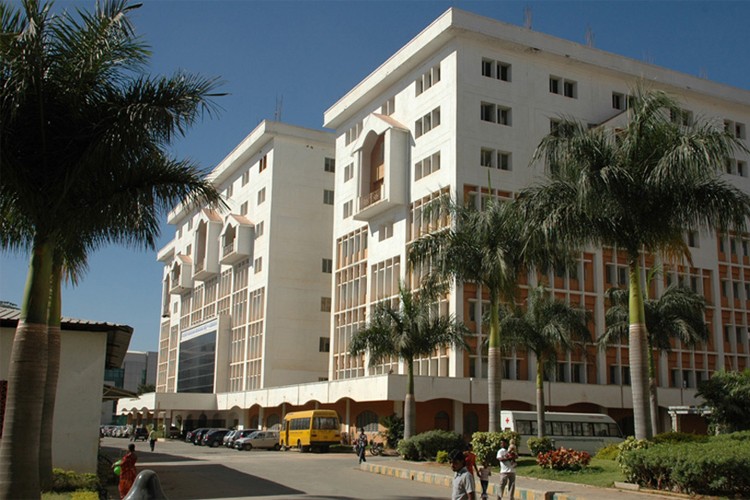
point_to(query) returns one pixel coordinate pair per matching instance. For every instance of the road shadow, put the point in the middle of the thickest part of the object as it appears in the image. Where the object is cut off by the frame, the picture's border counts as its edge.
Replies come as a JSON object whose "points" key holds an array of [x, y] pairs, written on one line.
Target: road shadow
{"points": [[115, 453]]}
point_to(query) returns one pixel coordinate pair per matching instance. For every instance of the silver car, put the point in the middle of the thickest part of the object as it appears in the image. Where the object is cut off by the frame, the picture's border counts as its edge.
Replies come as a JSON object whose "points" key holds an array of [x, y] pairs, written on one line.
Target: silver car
{"points": [[259, 439]]}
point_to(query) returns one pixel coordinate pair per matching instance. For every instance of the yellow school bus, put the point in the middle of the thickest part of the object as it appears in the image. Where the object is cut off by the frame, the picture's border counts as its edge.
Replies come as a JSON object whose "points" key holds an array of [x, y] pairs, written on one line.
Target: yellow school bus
{"points": [[310, 429]]}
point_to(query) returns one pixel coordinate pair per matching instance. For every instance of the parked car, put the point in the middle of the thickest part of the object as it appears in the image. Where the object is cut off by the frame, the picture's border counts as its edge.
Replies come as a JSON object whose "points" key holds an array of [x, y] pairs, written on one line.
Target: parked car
{"points": [[174, 432], [196, 434], [228, 437], [140, 433], [229, 443], [214, 437], [259, 439]]}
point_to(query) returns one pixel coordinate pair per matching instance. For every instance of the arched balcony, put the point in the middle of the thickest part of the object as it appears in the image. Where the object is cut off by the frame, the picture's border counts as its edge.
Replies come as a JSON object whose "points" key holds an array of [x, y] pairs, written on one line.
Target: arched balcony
{"points": [[236, 239]]}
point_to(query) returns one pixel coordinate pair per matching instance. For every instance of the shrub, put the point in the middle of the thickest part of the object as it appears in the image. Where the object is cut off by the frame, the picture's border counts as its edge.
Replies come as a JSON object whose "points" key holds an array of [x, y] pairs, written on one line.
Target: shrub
{"points": [[540, 445], [394, 429], [426, 446], [442, 457], [609, 452], [408, 449], [486, 444], [563, 459], [678, 437], [720, 466], [66, 480]]}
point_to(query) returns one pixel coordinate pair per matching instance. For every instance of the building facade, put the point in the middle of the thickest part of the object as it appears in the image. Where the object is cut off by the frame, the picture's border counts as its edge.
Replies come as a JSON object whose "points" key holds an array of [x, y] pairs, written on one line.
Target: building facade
{"points": [[138, 369], [469, 98]]}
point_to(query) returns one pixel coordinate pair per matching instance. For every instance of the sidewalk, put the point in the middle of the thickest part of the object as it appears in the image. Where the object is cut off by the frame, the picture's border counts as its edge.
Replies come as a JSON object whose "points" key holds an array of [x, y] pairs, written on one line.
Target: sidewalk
{"points": [[526, 488]]}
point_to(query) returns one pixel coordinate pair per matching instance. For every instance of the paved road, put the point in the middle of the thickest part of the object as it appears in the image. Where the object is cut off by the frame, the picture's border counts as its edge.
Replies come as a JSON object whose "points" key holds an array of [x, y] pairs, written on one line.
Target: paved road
{"points": [[190, 472]]}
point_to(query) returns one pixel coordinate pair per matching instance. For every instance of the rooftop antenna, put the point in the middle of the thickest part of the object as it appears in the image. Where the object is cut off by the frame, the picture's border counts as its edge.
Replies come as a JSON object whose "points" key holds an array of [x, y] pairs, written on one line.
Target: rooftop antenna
{"points": [[589, 36], [279, 106], [527, 17]]}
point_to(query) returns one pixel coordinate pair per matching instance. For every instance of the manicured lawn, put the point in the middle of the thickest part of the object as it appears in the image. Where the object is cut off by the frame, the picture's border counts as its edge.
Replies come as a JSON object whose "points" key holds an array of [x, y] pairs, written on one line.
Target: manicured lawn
{"points": [[599, 473]]}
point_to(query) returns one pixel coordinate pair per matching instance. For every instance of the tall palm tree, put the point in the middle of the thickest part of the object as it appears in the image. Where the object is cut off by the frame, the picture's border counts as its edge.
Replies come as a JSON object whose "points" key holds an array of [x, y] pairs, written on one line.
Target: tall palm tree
{"points": [[638, 189], [415, 328], [678, 314], [84, 138], [492, 248], [545, 327]]}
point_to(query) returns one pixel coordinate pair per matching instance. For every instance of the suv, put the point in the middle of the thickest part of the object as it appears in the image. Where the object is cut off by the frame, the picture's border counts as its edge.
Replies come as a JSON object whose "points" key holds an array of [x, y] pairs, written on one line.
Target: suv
{"points": [[214, 437], [140, 433]]}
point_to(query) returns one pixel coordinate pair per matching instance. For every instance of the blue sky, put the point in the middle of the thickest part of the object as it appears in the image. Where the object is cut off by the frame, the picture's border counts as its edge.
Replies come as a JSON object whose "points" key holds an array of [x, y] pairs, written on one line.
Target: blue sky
{"points": [[308, 54]]}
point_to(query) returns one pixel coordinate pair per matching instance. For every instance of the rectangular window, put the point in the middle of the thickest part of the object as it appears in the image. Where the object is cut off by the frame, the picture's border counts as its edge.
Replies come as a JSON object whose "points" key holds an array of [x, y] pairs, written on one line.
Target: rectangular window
{"points": [[328, 196], [258, 265], [348, 209], [496, 69], [487, 66], [427, 123], [259, 229], [692, 239], [324, 344], [329, 165], [243, 209], [353, 133], [261, 196], [569, 89], [618, 101], [554, 84], [426, 166], [486, 156], [737, 129], [348, 172], [325, 304], [263, 163], [327, 265], [385, 231], [491, 158], [561, 86], [503, 116], [230, 190], [388, 107], [427, 79], [503, 160], [487, 112], [245, 177], [503, 71]]}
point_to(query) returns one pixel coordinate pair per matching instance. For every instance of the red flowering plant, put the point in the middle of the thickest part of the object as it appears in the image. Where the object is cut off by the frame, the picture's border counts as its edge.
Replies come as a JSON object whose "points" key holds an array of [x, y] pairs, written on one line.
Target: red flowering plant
{"points": [[563, 459]]}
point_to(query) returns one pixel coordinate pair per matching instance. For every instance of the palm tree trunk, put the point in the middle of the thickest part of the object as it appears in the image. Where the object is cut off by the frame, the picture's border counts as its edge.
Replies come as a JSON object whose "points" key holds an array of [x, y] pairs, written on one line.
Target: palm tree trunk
{"points": [[638, 351], [19, 447], [540, 406], [53, 372], [494, 365], [410, 411], [653, 396]]}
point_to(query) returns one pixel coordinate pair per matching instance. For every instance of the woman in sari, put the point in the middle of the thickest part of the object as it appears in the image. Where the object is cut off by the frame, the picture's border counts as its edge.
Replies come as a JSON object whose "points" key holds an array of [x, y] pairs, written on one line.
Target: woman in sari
{"points": [[127, 470]]}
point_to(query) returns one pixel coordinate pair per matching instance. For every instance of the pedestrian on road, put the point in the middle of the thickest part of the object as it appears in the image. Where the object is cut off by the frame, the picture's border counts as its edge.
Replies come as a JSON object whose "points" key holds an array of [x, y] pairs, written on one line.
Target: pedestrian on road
{"points": [[362, 445], [463, 482], [127, 471], [507, 461], [485, 471], [152, 439], [471, 460]]}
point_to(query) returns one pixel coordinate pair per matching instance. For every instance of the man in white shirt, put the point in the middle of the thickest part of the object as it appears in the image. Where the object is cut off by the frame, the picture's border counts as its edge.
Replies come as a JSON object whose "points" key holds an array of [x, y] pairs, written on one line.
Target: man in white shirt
{"points": [[463, 482], [507, 461]]}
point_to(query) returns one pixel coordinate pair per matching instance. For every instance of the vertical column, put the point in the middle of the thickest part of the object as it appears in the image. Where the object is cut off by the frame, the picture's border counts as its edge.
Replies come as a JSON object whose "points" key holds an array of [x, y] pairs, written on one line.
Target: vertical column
{"points": [[262, 417], [458, 417]]}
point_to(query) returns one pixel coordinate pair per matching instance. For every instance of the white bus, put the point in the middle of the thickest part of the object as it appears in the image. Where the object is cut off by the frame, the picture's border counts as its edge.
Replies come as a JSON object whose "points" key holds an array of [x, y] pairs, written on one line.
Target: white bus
{"points": [[578, 431]]}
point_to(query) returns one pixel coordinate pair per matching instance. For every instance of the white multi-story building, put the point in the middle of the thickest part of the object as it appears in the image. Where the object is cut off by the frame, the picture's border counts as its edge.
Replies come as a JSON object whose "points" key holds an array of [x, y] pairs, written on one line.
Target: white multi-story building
{"points": [[466, 97], [246, 289]]}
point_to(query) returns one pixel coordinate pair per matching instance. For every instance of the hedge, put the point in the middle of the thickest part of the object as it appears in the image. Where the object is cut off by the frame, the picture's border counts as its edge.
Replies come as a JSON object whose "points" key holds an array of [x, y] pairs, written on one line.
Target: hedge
{"points": [[486, 444], [426, 446], [720, 466]]}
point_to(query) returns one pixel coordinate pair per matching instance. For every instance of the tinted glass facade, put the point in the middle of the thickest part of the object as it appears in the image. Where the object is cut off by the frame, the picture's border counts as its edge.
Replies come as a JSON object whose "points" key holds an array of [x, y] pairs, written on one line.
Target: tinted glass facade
{"points": [[197, 358]]}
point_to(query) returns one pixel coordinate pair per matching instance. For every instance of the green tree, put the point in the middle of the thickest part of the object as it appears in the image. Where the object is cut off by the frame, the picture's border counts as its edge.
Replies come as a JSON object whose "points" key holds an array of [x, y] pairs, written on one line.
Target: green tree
{"points": [[638, 189], [84, 137], [728, 395], [415, 328], [492, 248], [678, 314], [545, 327]]}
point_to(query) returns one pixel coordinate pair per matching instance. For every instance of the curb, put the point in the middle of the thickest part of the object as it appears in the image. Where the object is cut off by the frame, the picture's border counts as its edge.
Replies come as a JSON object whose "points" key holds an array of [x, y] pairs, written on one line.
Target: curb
{"points": [[446, 480]]}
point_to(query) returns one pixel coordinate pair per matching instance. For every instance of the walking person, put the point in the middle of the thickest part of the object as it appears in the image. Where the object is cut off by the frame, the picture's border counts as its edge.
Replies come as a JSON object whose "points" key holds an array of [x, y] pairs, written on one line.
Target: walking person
{"points": [[463, 483], [152, 439], [485, 471], [507, 461], [471, 460], [362, 445], [128, 471]]}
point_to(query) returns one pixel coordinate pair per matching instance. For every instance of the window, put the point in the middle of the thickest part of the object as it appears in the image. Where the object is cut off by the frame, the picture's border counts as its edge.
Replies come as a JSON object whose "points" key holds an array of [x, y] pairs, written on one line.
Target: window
{"points": [[492, 158], [259, 230], [681, 117], [324, 344], [618, 101], [737, 129], [327, 266], [348, 209], [263, 163], [348, 172], [245, 177], [230, 190], [258, 265], [385, 231], [496, 69], [427, 79], [329, 165], [243, 209], [328, 196], [427, 122], [495, 113], [561, 86], [325, 304], [736, 167], [692, 239], [426, 166], [353, 133], [261, 196], [388, 107]]}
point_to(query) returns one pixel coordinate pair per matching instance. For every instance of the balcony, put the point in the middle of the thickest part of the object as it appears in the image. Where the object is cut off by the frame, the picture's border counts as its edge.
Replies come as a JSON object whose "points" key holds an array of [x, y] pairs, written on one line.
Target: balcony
{"points": [[206, 246], [180, 276], [236, 240]]}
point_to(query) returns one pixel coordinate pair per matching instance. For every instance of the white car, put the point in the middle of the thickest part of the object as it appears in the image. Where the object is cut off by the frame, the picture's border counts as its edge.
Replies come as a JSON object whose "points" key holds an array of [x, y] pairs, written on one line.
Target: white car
{"points": [[259, 439]]}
